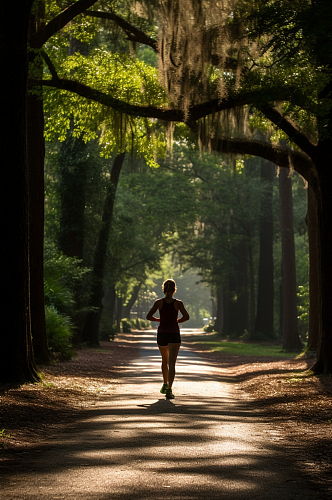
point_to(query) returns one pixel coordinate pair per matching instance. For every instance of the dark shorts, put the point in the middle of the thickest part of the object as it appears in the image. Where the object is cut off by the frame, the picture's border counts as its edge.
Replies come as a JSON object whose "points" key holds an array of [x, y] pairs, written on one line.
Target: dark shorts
{"points": [[164, 339]]}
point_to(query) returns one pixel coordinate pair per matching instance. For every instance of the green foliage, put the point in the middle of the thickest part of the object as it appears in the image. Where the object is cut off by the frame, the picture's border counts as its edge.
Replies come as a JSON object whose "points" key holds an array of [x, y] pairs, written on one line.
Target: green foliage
{"points": [[148, 56], [123, 78], [97, 54], [141, 324], [3, 436], [126, 325], [106, 328], [290, 46], [225, 212], [63, 280], [209, 328], [303, 309], [59, 331], [201, 207]]}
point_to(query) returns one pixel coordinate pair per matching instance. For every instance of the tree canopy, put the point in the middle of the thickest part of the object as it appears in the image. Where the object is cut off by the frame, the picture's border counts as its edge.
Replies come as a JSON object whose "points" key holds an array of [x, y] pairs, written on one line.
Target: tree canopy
{"points": [[225, 70]]}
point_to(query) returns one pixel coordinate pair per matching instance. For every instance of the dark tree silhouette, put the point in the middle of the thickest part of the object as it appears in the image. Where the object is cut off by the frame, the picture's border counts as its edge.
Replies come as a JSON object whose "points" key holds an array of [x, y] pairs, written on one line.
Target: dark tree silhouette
{"points": [[291, 339], [265, 296]]}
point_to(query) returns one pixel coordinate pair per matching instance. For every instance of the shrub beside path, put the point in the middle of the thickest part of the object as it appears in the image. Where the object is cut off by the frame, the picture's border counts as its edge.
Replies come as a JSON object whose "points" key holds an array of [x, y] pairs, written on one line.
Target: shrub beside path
{"points": [[207, 443]]}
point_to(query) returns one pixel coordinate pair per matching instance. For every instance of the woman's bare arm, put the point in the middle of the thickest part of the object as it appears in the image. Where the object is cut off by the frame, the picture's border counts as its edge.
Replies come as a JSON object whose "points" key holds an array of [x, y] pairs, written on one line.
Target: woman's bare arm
{"points": [[183, 311], [150, 316]]}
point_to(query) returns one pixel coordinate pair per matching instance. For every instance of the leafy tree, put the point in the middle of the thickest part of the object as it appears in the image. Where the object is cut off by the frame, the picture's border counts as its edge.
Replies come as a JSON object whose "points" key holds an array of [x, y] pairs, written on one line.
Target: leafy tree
{"points": [[219, 234], [285, 56], [91, 327], [116, 71]]}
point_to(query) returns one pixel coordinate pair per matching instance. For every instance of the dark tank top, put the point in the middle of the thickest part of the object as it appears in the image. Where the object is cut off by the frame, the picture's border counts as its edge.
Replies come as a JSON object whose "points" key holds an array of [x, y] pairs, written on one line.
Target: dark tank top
{"points": [[168, 318]]}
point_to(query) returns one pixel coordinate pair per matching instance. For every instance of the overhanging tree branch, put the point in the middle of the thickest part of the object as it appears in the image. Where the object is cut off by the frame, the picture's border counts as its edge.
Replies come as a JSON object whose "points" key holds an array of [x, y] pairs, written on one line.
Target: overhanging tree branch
{"points": [[279, 155], [196, 111], [38, 40], [134, 34], [50, 65], [293, 132], [166, 114]]}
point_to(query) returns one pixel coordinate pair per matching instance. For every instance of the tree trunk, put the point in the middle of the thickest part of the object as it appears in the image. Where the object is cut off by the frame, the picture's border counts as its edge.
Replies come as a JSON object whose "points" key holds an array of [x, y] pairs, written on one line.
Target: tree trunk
{"points": [[323, 363], [131, 302], [252, 289], [281, 302], [109, 303], [35, 159], [118, 313], [243, 290], [219, 323], [16, 354], [226, 311], [312, 223], [265, 295], [230, 297], [73, 163], [291, 339], [91, 328]]}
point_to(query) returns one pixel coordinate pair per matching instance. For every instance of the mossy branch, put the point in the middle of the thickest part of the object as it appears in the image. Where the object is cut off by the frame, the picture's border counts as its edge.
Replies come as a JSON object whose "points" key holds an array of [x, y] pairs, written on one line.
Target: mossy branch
{"points": [[279, 155], [196, 112]]}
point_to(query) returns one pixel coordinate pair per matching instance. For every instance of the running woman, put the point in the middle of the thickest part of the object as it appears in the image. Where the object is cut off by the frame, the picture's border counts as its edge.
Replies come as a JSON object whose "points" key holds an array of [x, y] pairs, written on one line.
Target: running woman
{"points": [[168, 337]]}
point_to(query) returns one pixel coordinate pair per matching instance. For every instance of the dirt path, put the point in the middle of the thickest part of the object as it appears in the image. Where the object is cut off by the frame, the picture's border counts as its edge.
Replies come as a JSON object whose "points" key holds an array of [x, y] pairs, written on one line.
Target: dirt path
{"points": [[204, 444]]}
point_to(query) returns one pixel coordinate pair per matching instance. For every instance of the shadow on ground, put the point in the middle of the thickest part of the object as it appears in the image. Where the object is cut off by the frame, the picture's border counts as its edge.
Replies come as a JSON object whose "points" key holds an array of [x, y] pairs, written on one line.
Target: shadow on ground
{"points": [[205, 444]]}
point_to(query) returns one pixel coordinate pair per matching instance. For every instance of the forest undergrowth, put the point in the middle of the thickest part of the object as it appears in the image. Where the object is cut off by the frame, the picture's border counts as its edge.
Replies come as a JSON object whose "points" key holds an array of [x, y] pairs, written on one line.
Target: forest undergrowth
{"points": [[297, 405]]}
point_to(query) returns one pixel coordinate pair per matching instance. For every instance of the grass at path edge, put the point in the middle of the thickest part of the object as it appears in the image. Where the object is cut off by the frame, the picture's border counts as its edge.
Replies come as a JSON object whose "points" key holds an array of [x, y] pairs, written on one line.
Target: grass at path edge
{"points": [[214, 343]]}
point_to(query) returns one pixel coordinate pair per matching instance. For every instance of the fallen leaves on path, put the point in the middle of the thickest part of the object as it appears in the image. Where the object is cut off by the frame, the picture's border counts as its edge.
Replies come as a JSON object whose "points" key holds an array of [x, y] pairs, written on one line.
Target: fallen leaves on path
{"points": [[296, 404], [298, 407], [30, 412]]}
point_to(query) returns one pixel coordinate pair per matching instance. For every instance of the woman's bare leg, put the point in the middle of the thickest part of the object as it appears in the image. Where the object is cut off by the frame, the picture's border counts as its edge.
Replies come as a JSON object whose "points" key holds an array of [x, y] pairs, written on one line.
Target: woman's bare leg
{"points": [[164, 361], [173, 350]]}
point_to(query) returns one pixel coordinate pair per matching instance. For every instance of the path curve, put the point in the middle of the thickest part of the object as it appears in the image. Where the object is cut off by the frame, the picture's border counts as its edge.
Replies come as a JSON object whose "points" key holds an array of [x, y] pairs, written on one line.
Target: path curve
{"points": [[204, 444]]}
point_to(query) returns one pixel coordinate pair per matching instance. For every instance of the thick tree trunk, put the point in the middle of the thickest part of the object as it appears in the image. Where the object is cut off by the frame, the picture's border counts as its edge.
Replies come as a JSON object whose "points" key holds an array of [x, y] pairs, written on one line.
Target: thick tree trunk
{"points": [[312, 223], [291, 339], [323, 363], [35, 158], [35, 155], [265, 295], [91, 328], [16, 354], [237, 301]]}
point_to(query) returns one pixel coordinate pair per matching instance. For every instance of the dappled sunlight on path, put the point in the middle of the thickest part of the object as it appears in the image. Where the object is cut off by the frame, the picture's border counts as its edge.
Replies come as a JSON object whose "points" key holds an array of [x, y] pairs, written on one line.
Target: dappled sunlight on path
{"points": [[204, 444]]}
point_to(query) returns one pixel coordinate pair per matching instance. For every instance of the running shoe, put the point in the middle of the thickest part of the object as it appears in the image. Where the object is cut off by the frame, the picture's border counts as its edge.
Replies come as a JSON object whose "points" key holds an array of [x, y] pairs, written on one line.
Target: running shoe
{"points": [[164, 389], [169, 393]]}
